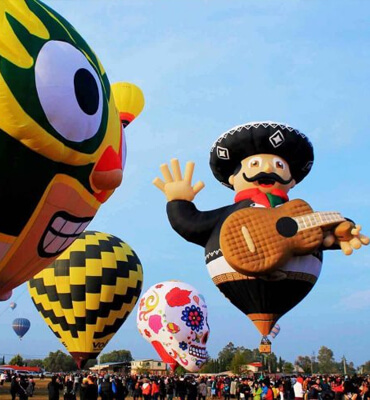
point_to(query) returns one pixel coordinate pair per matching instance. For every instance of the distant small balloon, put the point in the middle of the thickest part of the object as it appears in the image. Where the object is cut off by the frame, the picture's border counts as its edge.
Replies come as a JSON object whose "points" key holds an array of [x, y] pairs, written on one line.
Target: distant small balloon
{"points": [[13, 305], [21, 326], [275, 331]]}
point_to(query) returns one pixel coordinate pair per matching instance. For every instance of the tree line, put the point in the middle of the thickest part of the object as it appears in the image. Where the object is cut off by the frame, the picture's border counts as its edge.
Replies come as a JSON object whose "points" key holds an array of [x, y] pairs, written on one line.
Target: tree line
{"points": [[230, 358], [60, 362], [236, 359]]}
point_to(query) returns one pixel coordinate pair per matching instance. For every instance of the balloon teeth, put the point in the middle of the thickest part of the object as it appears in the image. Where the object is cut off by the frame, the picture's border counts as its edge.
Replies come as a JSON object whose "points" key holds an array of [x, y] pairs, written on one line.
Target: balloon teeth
{"points": [[199, 352], [62, 231]]}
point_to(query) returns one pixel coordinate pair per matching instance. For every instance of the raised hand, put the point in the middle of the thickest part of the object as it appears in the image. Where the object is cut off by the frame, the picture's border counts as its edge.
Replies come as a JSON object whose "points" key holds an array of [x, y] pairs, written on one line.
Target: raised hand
{"points": [[176, 187]]}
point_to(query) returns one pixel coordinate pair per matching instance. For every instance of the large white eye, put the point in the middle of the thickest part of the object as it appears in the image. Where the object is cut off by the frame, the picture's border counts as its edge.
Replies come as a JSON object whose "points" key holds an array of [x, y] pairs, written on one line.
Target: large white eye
{"points": [[69, 90], [255, 162]]}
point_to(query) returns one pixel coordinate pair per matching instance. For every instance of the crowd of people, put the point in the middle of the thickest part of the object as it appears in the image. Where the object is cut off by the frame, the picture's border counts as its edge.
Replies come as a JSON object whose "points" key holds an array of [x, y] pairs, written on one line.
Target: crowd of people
{"points": [[118, 387]]}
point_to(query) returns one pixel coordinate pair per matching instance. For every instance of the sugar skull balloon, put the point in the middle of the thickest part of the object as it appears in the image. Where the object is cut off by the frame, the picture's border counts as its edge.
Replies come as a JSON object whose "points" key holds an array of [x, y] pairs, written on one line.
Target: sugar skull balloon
{"points": [[62, 144], [172, 316]]}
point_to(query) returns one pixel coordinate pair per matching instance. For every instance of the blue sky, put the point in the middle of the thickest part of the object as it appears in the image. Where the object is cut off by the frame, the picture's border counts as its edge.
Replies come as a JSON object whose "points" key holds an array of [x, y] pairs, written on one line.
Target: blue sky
{"points": [[204, 67]]}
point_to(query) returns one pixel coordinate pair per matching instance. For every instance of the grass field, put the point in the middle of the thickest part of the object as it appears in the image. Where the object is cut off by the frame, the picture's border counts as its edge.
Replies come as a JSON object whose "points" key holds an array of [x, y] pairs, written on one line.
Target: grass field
{"points": [[41, 392]]}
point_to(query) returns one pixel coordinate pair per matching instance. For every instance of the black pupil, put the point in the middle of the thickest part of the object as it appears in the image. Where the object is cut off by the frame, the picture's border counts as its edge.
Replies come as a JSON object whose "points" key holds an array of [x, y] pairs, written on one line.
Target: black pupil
{"points": [[86, 90]]}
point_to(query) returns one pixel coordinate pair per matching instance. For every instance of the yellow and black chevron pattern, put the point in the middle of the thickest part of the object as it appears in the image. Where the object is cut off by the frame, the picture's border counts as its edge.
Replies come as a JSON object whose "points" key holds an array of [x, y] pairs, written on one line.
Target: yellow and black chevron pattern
{"points": [[88, 292]]}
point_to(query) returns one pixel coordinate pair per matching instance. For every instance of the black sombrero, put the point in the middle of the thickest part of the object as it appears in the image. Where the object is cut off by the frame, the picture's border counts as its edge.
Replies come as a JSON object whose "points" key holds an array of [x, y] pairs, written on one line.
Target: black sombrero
{"points": [[265, 137]]}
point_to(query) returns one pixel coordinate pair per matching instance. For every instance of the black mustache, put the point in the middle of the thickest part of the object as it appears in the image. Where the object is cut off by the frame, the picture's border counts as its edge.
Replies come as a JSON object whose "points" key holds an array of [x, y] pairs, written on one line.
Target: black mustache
{"points": [[271, 176]]}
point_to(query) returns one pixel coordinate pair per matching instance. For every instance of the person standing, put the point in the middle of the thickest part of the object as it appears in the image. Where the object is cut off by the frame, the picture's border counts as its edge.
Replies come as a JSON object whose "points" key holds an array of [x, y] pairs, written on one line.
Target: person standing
{"points": [[22, 388], [155, 389], [298, 389], [91, 390], [54, 387], [181, 388], [226, 389], [202, 390], [146, 389], [257, 391], [14, 387], [105, 388], [137, 393], [192, 389]]}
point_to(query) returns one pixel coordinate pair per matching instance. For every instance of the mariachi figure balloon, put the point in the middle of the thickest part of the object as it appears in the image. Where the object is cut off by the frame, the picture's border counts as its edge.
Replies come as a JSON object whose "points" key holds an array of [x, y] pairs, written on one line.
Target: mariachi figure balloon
{"points": [[172, 316], [263, 252], [88, 292], [62, 144]]}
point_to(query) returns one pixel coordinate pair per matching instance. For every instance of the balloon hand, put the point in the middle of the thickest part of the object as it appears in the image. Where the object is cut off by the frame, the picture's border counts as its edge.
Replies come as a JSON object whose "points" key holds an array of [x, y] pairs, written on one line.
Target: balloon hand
{"points": [[348, 237], [176, 187]]}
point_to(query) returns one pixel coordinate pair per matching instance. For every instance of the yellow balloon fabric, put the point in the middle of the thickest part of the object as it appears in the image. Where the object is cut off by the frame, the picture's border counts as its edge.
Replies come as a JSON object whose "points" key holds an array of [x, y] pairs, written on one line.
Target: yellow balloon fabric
{"points": [[88, 292], [129, 101], [62, 143]]}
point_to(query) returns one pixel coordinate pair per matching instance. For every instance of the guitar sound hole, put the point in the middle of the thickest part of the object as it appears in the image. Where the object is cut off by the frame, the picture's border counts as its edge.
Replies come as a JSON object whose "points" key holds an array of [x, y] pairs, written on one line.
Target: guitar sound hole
{"points": [[287, 227]]}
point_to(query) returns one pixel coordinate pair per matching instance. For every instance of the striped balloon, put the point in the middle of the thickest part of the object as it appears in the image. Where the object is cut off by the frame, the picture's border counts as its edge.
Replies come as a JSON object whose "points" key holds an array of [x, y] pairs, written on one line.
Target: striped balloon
{"points": [[21, 326], [275, 331], [88, 292]]}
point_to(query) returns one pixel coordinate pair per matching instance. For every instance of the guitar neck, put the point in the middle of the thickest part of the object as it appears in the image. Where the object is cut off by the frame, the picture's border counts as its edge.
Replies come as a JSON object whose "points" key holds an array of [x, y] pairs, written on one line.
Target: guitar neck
{"points": [[323, 219]]}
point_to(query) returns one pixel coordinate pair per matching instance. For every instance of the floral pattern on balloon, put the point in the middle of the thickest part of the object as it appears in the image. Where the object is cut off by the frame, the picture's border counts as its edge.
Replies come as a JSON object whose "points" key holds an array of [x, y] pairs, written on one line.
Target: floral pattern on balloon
{"points": [[193, 318], [172, 316]]}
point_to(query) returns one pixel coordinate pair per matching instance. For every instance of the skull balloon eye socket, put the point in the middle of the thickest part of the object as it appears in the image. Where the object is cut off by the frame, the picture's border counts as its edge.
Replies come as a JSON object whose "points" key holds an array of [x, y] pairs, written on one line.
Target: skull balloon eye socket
{"points": [[205, 338]]}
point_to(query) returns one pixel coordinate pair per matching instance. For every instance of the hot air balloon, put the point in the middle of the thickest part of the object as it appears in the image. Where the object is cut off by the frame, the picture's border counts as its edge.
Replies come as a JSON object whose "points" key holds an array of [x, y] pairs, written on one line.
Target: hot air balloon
{"points": [[13, 305], [275, 331], [88, 292], [21, 326], [62, 143], [172, 316], [261, 161]]}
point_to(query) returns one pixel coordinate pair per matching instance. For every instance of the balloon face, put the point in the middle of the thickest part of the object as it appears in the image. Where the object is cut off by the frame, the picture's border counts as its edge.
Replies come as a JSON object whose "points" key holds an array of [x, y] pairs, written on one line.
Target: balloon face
{"points": [[21, 326], [172, 316], [88, 292], [61, 138]]}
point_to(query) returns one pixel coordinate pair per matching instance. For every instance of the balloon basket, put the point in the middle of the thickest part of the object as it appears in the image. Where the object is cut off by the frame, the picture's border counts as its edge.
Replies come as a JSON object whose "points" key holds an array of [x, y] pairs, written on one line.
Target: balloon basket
{"points": [[265, 345]]}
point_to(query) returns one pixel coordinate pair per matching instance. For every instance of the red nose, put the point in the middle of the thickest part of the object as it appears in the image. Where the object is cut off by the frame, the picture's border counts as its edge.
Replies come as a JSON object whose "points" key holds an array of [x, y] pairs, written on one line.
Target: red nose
{"points": [[107, 174]]}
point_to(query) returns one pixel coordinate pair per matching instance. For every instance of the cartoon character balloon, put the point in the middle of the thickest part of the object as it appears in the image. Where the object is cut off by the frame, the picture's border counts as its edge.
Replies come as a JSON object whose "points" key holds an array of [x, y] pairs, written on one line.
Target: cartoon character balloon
{"points": [[21, 326], [172, 316], [262, 251], [88, 292], [62, 144]]}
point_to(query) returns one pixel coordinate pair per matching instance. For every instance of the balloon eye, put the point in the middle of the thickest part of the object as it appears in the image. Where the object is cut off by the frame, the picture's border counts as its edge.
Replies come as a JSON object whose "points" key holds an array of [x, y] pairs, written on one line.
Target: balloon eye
{"points": [[279, 164], [87, 92], [254, 162], [69, 90]]}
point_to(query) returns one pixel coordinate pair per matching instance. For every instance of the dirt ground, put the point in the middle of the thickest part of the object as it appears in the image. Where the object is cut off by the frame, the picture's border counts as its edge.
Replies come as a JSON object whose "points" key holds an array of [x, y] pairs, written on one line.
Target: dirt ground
{"points": [[41, 392]]}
